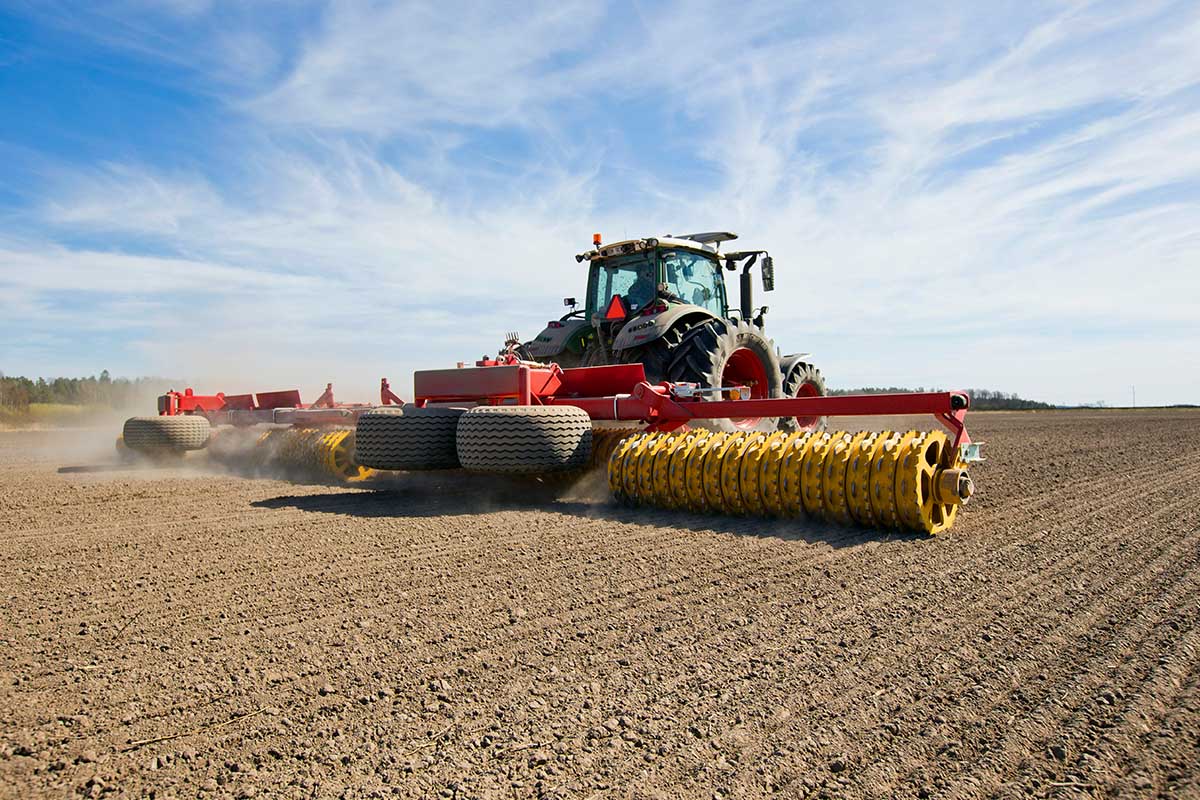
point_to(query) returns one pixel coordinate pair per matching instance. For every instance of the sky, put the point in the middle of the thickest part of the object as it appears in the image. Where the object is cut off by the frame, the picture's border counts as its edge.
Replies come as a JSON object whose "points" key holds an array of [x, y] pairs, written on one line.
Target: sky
{"points": [[277, 194]]}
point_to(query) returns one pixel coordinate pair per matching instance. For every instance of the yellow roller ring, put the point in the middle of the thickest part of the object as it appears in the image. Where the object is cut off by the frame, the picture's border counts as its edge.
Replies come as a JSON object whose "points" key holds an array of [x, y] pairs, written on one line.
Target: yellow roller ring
{"points": [[750, 479], [633, 459], [601, 444], [883, 479], [731, 472], [609, 442], [914, 484], [303, 454], [791, 471], [346, 459], [629, 468], [677, 470], [694, 473], [306, 454], [858, 477], [908, 503], [645, 470], [943, 515], [833, 481], [325, 447], [909, 471], [339, 456], [660, 470], [616, 468], [713, 463], [813, 470], [600, 451], [335, 452], [769, 462], [289, 439], [605, 441]]}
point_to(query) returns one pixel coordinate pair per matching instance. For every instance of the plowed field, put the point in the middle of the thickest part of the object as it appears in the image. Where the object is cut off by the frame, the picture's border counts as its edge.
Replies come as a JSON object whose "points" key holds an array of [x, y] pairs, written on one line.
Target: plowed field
{"points": [[184, 633]]}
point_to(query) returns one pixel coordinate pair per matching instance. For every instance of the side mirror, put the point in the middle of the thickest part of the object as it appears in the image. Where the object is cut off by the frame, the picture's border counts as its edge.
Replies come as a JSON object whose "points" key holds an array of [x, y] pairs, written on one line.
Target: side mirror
{"points": [[569, 302], [768, 274]]}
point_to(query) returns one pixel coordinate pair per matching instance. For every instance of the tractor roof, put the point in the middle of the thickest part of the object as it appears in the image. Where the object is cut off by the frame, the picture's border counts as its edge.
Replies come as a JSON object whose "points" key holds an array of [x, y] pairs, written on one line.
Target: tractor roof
{"points": [[698, 242], [712, 237]]}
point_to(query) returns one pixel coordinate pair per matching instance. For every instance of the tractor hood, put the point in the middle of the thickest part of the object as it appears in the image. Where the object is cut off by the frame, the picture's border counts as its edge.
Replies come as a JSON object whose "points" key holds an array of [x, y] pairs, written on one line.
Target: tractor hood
{"points": [[641, 330], [555, 337]]}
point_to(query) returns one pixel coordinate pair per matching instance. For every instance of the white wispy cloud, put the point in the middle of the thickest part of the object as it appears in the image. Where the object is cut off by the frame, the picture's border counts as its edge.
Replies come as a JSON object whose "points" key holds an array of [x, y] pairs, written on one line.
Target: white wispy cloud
{"points": [[995, 196], [385, 68]]}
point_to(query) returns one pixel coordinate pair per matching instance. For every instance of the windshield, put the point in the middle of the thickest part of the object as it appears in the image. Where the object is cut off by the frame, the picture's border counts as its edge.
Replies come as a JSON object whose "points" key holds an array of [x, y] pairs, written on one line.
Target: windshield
{"points": [[633, 277], [694, 279]]}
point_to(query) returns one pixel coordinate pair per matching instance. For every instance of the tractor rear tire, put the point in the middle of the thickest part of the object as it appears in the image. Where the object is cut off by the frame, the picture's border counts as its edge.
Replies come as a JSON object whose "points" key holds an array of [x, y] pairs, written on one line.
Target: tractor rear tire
{"points": [[407, 438], [723, 353], [803, 380], [655, 357], [525, 440], [159, 434]]}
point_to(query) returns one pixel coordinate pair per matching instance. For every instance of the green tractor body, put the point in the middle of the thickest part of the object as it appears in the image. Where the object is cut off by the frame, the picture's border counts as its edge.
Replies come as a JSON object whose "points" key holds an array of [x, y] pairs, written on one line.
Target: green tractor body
{"points": [[662, 302]]}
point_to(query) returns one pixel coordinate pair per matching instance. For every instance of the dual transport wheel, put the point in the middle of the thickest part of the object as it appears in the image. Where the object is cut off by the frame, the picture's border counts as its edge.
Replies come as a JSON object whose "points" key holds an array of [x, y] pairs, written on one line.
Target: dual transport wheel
{"points": [[511, 440], [160, 436], [408, 438]]}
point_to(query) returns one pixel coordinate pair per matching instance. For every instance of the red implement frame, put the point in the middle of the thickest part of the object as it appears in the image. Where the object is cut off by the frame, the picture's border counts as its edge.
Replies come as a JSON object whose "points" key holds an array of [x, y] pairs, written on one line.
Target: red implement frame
{"points": [[282, 407], [621, 392], [617, 392]]}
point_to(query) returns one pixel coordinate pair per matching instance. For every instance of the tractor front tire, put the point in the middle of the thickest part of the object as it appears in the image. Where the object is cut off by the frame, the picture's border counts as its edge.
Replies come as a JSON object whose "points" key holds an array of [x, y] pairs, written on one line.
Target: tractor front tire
{"points": [[726, 353], [407, 438], [166, 434], [524, 440]]}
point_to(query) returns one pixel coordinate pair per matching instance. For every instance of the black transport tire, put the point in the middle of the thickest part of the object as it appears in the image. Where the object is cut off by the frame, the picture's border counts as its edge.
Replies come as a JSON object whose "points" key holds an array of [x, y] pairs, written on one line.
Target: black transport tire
{"points": [[524, 440], [803, 380], [158, 434], [707, 351], [407, 438]]}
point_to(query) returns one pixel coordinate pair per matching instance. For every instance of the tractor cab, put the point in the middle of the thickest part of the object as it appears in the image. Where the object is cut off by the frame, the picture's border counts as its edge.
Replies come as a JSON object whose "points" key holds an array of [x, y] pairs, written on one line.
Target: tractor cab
{"points": [[652, 276]]}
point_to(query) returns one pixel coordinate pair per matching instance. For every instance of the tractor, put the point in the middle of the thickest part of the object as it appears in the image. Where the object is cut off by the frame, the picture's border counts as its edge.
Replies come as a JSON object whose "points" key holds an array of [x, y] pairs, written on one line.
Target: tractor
{"points": [[662, 302]]}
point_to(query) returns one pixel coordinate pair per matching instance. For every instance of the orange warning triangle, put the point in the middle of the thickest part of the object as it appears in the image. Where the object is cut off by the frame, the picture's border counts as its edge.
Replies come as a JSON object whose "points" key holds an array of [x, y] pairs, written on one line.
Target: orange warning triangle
{"points": [[616, 308]]}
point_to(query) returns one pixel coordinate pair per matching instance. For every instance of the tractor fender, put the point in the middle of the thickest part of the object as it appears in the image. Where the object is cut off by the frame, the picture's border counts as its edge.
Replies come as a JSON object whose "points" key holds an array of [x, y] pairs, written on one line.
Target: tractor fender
{"points": [[642, 330], [556, 337], [787, 362]]}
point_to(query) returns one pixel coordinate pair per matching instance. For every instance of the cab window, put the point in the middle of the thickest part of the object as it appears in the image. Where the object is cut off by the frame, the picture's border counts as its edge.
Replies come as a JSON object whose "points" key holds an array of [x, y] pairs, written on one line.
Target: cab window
{"points": [[694, 279], [632, 277]]}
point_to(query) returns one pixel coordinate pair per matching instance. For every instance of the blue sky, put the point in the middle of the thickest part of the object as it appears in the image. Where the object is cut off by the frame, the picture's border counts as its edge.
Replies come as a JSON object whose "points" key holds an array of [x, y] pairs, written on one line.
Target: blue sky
{"points": [[253, 195]]}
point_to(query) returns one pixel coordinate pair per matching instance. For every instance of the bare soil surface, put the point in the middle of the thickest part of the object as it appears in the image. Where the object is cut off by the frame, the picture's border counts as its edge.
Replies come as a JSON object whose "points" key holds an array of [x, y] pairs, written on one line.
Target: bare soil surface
{"points": [[172, 632]]}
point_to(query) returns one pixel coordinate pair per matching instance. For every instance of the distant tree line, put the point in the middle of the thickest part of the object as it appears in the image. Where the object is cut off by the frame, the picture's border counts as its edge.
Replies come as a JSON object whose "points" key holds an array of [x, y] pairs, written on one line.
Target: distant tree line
{"points": [[981, 399], [16, 393]]}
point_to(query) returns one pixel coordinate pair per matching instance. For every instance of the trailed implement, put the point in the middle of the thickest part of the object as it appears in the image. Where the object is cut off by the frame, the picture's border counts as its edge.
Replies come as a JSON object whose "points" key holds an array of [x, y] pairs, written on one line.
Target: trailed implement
{"points": [[658, 379], [656, 441], [264, 432]]}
